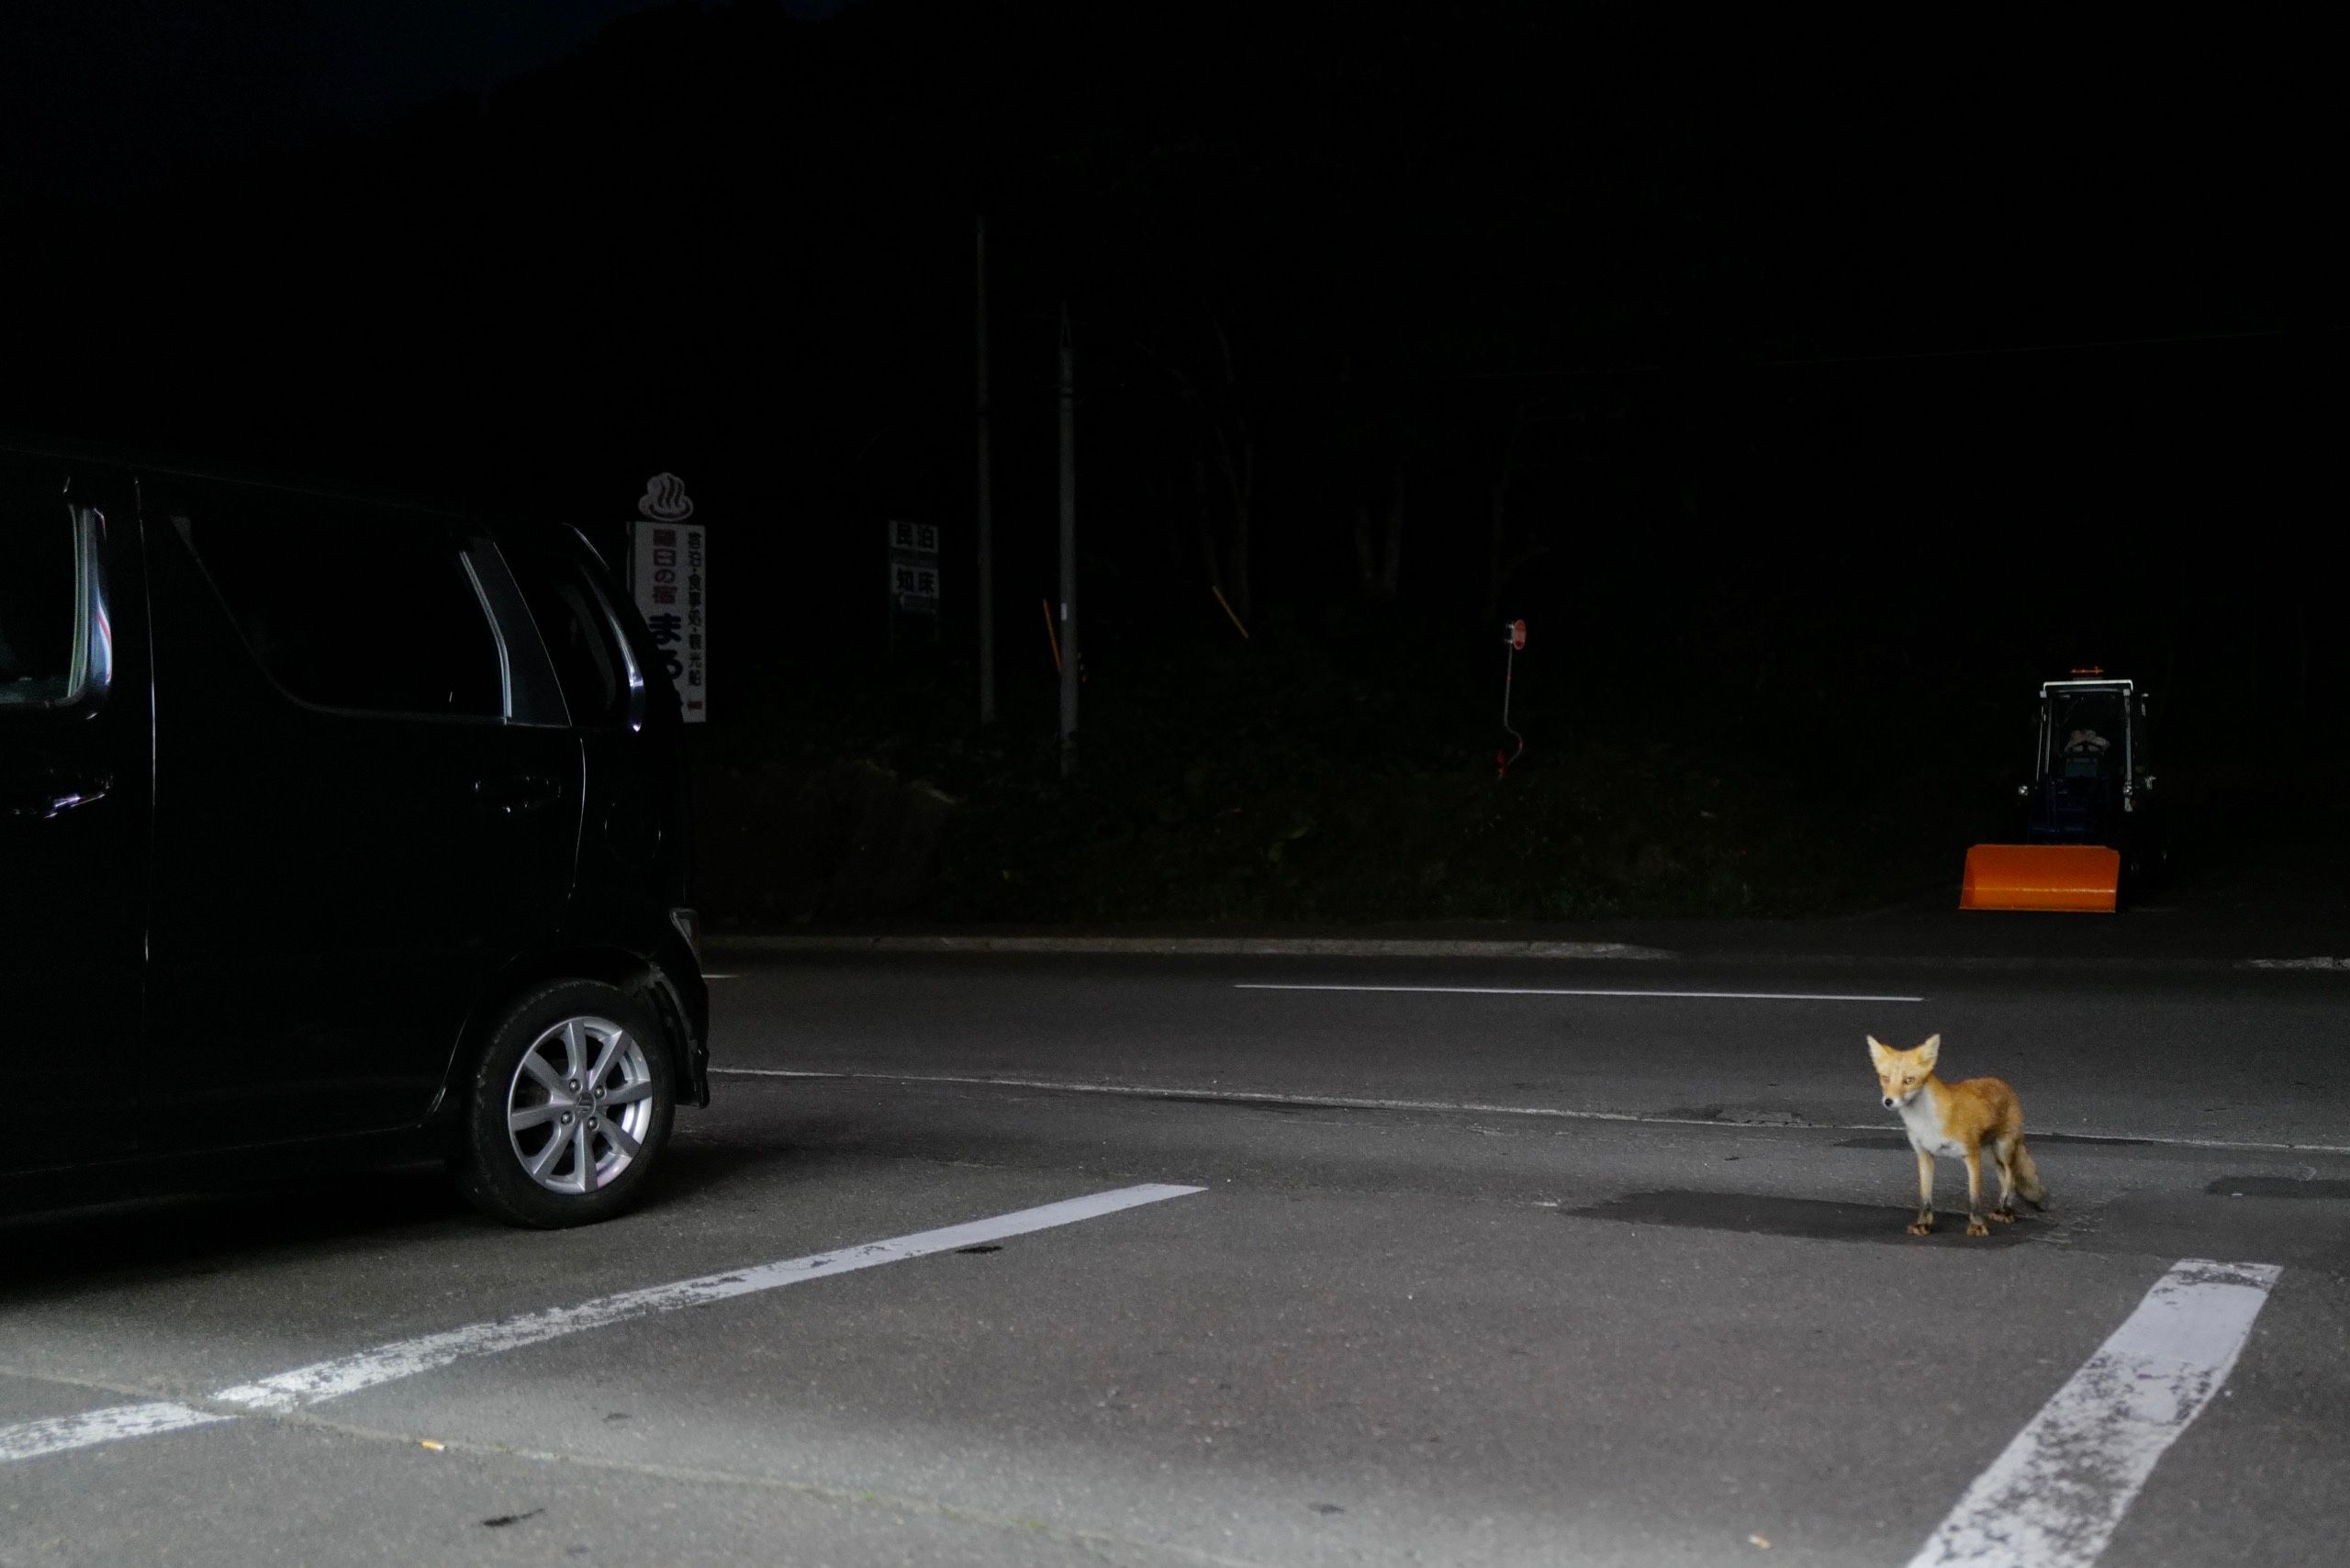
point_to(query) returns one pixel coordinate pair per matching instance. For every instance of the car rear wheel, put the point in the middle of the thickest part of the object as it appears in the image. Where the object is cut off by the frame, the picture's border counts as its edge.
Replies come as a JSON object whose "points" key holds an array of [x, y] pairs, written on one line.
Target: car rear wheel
{"points": [[568, 1109]]}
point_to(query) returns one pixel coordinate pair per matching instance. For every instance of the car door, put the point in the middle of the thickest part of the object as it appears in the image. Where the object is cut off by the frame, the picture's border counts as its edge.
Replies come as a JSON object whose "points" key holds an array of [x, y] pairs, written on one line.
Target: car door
{"points": [[368, 812], [631, 857], [73, 825]]}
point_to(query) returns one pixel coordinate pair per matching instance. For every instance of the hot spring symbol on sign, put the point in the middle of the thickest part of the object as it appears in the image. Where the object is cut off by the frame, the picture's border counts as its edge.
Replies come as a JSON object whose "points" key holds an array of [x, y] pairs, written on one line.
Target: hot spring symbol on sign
{"points": [[665, 499]]}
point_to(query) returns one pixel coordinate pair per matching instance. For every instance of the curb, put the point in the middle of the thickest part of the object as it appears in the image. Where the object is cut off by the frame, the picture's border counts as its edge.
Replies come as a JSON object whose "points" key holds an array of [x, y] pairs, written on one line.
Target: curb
{"points": [[1213, 946], [1501, 948]]}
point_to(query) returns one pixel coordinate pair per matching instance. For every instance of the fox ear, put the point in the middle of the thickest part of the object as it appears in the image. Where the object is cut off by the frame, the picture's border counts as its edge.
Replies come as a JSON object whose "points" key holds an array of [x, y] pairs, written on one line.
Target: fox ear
{"points": [[1879, 1051], [1928, 1051]]}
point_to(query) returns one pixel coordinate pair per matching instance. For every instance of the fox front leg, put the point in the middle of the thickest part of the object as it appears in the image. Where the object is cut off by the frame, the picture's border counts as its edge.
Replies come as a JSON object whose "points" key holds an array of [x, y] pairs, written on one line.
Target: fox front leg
{"points": [[1924, 1222], [1975, 1225]]}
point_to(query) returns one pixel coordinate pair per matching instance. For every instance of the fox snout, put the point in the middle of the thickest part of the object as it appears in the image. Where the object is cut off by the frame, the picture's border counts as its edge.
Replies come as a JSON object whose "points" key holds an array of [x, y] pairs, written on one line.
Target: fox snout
{"points": [[1889, 1102]]}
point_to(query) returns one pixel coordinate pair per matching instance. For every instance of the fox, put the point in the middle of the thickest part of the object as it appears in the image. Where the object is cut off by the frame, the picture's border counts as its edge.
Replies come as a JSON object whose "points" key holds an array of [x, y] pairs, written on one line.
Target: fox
{"points": [[1958, 1121]]}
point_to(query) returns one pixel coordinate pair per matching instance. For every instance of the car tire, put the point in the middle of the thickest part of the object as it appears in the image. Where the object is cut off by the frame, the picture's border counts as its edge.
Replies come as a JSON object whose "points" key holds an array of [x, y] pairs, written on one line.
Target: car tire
{"points": [[535, 1103]]}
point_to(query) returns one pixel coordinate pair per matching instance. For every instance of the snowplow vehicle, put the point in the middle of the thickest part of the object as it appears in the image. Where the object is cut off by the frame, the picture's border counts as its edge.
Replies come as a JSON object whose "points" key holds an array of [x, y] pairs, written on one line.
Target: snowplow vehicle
{"points": [[2090, 821]]}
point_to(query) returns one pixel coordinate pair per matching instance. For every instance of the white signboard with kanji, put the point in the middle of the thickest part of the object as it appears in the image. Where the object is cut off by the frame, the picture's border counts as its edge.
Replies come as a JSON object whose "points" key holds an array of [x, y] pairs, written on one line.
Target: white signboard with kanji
{"points": [[668, 575], [913, 567]]}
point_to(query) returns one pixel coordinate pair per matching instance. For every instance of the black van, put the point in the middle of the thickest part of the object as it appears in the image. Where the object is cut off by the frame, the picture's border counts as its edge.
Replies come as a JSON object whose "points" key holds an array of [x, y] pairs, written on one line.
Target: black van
{"points": [[332, 830]]}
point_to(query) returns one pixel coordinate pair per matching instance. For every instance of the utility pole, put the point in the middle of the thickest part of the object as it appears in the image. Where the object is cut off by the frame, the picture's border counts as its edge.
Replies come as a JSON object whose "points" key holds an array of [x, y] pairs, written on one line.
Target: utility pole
{"points": [[1068, 550], [987, 505]]}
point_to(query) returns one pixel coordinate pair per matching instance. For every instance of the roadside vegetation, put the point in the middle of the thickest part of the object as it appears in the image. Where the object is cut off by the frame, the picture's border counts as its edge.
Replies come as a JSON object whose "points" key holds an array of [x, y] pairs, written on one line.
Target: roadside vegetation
{"points": [[1347, 774]]}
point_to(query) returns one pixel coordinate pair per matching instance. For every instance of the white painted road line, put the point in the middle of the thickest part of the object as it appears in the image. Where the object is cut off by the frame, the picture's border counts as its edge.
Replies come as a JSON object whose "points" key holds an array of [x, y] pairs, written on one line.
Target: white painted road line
{"points": [[1234, 1096], [29, 1440], [1361, 1103], [405, 1358], [1578, 991], [2052, 1498]]}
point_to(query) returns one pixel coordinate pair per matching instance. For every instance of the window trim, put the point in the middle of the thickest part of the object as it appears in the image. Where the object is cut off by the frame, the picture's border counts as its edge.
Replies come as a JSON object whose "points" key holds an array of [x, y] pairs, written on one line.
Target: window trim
{"points": [[535, 696], [496, 635], [181, 522], [634, 719], [89, 662], [588, 566]]}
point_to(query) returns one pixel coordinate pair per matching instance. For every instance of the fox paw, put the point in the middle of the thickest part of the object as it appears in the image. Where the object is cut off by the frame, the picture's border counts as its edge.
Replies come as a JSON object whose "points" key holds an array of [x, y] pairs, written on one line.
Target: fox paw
{"points": [[2005, 1217], [1977, 1227], [1921, 1227]]}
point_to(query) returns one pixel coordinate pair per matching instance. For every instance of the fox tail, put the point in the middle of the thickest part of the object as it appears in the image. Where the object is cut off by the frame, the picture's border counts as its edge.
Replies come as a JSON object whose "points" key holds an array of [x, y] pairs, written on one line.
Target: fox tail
{"points": [[2027, 1176]]}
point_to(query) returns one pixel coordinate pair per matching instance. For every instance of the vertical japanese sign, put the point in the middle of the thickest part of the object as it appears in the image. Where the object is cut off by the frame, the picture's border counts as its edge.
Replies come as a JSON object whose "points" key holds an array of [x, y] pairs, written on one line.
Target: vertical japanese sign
{"points": [[668, 575], [913, 567]]}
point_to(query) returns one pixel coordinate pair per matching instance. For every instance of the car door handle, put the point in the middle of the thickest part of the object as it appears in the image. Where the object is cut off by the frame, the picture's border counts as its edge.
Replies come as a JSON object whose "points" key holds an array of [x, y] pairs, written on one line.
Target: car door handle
{"points": [[512, 793], [52, 796]]}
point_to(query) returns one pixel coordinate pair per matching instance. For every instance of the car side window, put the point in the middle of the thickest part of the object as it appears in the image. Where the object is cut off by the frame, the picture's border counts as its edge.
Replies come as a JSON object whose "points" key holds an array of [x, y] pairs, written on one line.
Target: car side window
{"points": [[377, 617], [578, 629], [43, 595]]}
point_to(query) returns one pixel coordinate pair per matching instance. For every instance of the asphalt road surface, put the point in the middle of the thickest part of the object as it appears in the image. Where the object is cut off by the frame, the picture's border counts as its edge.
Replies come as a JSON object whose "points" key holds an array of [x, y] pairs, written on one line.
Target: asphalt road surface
{"points": [[1040, 1260]]}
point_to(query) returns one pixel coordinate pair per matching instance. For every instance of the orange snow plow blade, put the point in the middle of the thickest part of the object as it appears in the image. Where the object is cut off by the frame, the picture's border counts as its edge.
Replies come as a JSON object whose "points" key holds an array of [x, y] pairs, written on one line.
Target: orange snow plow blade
{"points": [[2080, 877]]}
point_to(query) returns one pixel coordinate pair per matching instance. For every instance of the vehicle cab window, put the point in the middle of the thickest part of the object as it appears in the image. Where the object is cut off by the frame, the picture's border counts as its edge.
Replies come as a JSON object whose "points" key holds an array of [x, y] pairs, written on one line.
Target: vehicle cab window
{"points": [[600, 680], [373, 618], [44, 632]]}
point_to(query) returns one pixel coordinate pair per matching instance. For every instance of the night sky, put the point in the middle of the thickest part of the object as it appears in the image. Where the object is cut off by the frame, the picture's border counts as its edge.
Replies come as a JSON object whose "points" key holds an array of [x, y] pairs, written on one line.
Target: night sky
{"points": [[1781, 371], [105, 98]]}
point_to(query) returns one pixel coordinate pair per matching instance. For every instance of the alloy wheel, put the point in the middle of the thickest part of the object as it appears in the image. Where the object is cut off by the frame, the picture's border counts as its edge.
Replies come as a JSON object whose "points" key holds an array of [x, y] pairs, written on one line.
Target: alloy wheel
{"points": [[579, 1104]]}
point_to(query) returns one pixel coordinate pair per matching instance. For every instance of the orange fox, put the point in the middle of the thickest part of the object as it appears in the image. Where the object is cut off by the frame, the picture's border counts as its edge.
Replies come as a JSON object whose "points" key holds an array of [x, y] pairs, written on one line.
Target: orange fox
{"points": [[1958, 1120]]}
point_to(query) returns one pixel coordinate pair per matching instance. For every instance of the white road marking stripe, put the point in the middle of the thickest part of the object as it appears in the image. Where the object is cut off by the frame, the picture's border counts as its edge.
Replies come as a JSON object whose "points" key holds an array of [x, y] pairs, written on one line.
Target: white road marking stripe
{"points": [[2052, 1498], [1237, 1096], [1209, 946], [349, 1374], [708, 976], [405, 1358], [1565, 991], [1554, 1113], [29, 1440]]}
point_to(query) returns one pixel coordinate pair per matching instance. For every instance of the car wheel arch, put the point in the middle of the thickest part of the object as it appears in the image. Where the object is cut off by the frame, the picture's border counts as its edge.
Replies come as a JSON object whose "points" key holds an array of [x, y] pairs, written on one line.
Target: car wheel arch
{"points": [[639, 976]]}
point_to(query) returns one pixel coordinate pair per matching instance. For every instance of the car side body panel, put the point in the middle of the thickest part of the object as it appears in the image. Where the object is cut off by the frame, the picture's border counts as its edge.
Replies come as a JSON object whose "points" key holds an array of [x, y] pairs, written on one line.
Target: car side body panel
{"points": [[281, 936]]}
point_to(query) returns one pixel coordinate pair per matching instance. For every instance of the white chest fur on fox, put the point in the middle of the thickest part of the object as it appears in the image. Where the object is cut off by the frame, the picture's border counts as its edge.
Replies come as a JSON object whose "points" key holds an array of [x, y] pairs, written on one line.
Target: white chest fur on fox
{"points": [[1925, 1129]]}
